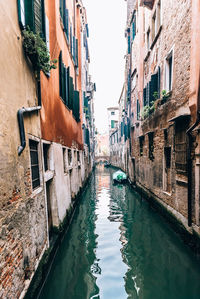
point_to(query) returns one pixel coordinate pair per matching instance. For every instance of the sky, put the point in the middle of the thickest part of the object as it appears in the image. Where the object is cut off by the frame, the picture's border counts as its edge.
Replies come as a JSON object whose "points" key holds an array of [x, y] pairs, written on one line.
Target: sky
{"points": [[107, 47]]}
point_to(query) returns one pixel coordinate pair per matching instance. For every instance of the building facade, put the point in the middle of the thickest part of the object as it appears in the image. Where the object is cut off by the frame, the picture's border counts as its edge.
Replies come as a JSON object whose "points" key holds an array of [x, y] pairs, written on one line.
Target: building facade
{"points": [[47, 140], [161, 105]]}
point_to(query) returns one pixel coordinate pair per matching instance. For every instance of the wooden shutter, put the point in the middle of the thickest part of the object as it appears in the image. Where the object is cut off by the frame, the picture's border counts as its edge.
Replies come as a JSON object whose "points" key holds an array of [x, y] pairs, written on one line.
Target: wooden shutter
{"points": [[153, 87], [71, 41], [21, 13], [66, 26], [60, 74], [71, 92], [87, 30], [133, 30], [129, 44], [29, 14], [62, 8], [67, 87], [74, 49], [38, 16], [76, 106], [76, 59]]}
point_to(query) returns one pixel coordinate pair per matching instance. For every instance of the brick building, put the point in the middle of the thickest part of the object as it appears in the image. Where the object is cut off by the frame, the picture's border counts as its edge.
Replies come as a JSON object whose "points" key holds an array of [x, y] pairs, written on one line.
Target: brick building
{"points": [[162, 105], [46, 140]]}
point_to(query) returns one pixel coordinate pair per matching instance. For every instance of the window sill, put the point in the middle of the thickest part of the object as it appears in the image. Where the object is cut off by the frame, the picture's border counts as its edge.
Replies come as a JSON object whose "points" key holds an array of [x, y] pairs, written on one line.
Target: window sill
{"points": [[37, 191], [156, 38], [167, 193], [48, 175]]}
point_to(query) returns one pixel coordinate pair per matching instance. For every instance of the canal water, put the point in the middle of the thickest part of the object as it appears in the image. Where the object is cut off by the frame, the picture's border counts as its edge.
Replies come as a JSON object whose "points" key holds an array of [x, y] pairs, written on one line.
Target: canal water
{"points": [[117, 247]]}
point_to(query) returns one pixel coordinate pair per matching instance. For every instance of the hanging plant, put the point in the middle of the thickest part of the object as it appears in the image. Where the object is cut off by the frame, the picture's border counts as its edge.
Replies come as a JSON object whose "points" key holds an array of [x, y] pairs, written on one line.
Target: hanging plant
{"points": [[36, 49]]}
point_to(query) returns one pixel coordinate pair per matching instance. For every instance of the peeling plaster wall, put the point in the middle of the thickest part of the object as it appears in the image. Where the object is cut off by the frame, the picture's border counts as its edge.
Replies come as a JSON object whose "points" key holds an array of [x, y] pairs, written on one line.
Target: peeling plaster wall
{"points": [[23, 228]]}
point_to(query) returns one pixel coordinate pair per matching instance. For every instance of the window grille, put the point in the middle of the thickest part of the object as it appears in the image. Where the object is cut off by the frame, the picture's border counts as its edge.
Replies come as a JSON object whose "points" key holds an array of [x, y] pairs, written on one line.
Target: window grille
{"points": [[35, 175]]}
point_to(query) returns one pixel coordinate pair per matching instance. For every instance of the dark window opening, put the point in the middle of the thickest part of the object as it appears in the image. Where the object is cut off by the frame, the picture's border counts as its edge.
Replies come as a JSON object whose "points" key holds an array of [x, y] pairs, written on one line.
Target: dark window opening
{"points": [[64, 160], [141, 143], [46, 156], [151, 146], [69, 157], [180, 147], [35, 175]]}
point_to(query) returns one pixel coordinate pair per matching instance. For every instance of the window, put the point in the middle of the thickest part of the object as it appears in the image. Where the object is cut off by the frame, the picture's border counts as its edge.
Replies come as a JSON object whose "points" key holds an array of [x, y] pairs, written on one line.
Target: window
{"points": [[35, 174], [180, 146], [141, 144], [169, 71], [133, 27], [167, 169], [112, 124], [69, 157], [156, 21], [46, 156], [151, 145], [64, 160], [138, 110], [32, 13], [112, 113]]}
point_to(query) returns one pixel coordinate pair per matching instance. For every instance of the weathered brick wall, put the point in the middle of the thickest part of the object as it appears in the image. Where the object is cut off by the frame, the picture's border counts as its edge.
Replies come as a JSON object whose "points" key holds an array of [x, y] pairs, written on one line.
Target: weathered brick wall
{"points": [[175, 32], [23, 224]]}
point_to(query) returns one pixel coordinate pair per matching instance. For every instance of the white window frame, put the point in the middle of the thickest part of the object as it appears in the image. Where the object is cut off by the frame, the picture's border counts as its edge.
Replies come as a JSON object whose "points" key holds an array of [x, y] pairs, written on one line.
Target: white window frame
{"points": [[166, 72]]}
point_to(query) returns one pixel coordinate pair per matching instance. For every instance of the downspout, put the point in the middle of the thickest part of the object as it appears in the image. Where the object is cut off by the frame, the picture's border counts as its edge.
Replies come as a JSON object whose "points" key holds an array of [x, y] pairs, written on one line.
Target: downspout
{"points": [[20, 117], [189, 159]]}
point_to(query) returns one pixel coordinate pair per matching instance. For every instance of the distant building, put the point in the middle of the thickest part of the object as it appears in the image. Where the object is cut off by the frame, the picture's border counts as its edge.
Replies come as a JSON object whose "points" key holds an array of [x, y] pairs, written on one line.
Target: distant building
{"points": [[102, 145]]}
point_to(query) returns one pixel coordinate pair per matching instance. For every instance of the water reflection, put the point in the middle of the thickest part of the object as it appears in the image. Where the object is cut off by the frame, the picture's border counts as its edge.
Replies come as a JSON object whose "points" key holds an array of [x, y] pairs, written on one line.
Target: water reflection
{"points": [[118, 247]]}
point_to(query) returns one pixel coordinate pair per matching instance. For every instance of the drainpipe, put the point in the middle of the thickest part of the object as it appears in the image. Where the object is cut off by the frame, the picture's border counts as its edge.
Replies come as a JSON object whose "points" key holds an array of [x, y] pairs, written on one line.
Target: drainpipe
{"points": [[189, 160], [20, 117]]}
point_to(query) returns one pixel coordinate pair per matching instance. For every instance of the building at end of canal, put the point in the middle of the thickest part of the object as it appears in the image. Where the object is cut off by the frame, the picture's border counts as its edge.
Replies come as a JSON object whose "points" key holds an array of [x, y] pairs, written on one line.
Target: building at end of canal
{"points": [[158, 126], [47, 130]]}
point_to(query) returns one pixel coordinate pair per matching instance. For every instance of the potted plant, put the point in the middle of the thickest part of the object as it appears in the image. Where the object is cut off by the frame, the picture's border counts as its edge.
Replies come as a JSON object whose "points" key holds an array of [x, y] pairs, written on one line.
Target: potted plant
{"points": [[165, 96], [36, 50]]}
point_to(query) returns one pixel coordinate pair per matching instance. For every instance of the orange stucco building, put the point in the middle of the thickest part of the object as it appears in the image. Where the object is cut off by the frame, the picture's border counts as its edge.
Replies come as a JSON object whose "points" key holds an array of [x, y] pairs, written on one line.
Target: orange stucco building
{"points": [[57, 121]]}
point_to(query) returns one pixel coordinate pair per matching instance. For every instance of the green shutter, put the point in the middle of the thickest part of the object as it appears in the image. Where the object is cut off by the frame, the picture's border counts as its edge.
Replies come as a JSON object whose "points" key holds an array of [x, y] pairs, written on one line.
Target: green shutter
{"points": [[62, 8], [76, 59], [67, 87], [60, 74], [138, 110], [29, 14], [66, 23], [112, 124], [71, 92], [133, 30], [21, 13], [38, 28], [71, 40], [129, 44], [64, 83], [76, 106], [153, 87]]}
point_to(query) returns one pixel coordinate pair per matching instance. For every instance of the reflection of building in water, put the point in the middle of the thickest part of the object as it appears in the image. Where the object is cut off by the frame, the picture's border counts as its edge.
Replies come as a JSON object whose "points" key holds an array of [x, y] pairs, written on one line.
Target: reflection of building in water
{"points": [[103, 181]]}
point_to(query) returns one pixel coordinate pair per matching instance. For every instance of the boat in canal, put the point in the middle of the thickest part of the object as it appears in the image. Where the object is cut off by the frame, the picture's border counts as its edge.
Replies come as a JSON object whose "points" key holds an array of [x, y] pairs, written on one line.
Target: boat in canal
{"points": [[119, 177]]}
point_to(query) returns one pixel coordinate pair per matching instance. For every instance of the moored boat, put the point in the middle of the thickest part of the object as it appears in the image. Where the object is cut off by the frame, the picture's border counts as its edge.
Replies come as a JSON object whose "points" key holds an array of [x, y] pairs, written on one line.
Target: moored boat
{"points": [[119, 177]]}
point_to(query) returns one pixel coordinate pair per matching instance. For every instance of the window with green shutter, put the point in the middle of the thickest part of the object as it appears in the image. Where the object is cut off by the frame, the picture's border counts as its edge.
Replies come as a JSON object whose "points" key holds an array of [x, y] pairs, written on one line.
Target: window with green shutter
{"points": [[76, 106], [71, 92], [66, 24], [32, 14], [112, 124], [138, 110]]}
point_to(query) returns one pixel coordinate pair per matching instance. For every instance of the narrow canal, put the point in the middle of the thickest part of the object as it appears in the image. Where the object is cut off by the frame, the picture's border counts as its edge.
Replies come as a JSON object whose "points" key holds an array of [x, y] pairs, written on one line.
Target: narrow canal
{"points": [[118, 247]]}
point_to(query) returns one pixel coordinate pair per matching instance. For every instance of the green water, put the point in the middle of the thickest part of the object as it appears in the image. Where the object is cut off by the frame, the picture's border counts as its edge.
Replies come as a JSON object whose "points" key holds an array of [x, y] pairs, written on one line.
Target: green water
{"points": [[118, 247]]}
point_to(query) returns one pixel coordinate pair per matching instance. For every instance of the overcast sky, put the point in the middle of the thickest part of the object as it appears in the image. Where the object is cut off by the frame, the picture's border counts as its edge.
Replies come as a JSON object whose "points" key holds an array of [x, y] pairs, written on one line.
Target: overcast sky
{"points": [[107, 46]]}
